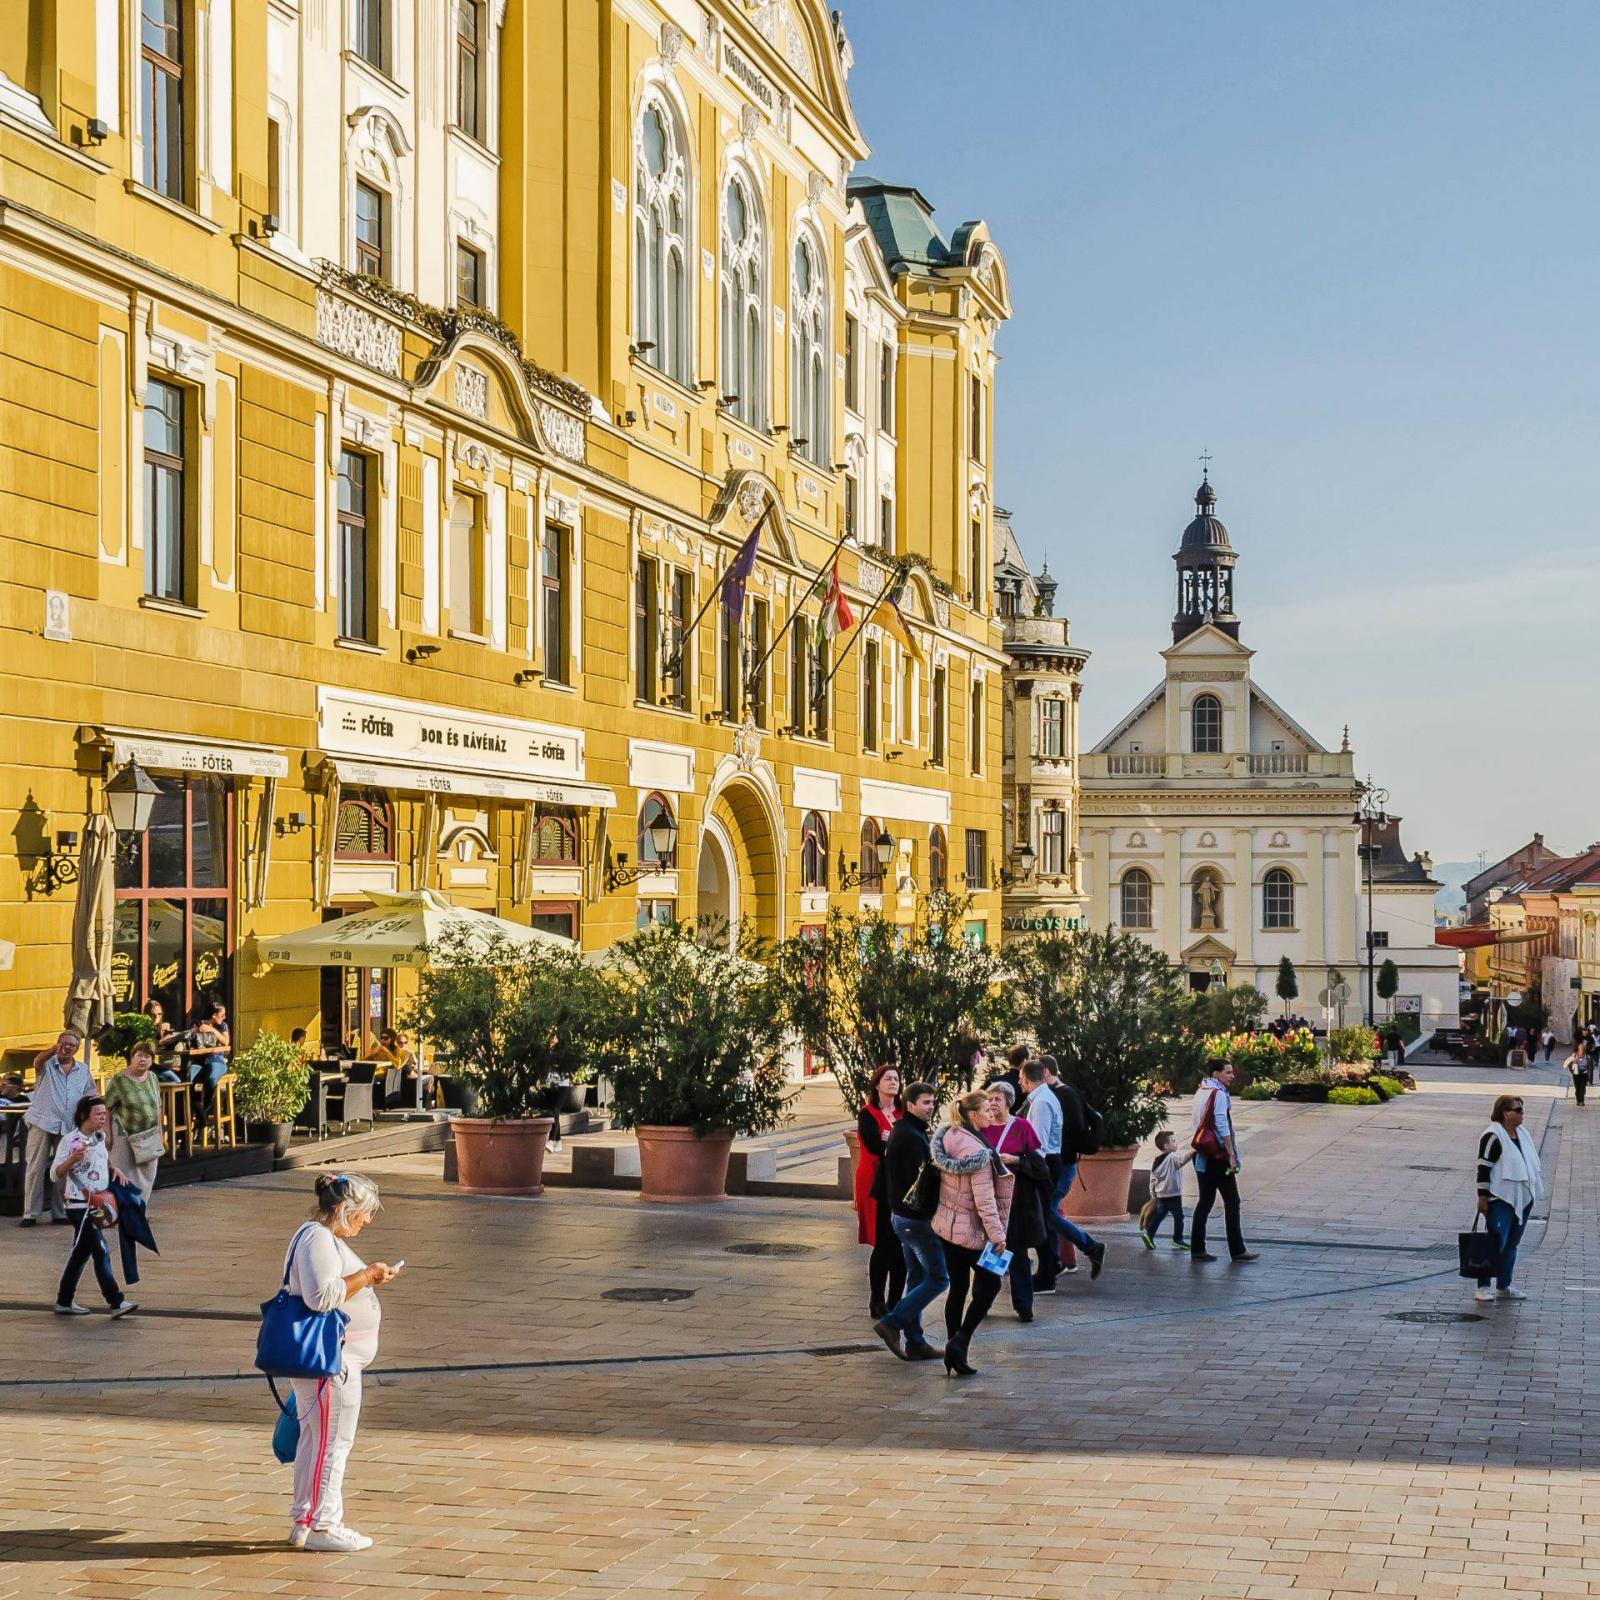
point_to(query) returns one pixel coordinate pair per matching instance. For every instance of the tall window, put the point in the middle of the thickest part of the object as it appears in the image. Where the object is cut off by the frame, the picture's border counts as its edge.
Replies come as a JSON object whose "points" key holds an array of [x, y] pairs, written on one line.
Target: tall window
{"points": [[852, 494], [730, 664], [809, 666], [1137, 899], [813, 852], [743, 297], [975, 739], [275, 171], [372, 231], [469, 77], [166, 513], [975, 416], [355, 563], [852, 363], [936, 732], [675, 646], [870, 869], [886, 523], [908, 699], [660, 243], [469, 275], [799, 652], [371, 39], [553, 562], [467, 566], [755, 668], [886, 388], [869, 695], [1052, 843], [809, 410], [938, 861], [161, 68], [1052, 728], [1205, 723], [656, 808], [646, 630], [975, 573], [1277, 899], [977, 860]]}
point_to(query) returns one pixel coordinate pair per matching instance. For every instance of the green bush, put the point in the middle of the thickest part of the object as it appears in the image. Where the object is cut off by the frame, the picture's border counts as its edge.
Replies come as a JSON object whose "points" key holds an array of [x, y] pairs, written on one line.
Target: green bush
{"points": [[1260, 1089], [1310, 1091], [1358, 1044], [1350, 1096], [272, 1080], [126, 1029], [1389, 1088]]}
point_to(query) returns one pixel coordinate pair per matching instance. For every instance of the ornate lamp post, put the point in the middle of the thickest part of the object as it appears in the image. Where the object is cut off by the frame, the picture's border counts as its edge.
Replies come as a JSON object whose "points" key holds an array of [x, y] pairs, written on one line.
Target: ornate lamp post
{"points": [[1370, 809]]}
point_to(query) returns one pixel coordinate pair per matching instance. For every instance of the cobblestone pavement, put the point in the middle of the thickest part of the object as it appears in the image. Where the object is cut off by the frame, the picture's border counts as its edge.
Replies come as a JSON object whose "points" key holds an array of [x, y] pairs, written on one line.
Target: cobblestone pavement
{"points": [[1270, 1431]]}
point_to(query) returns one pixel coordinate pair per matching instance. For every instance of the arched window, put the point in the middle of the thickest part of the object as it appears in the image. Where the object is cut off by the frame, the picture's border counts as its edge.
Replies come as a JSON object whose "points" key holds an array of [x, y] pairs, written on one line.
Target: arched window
{"points": [[1205, 725], [556, 838], [938, 861], [813, 852], [660, 241], [871, 872], [365, 830], [656, 808], [810, 393], [1277, 899], [744, 277], [1205, 900], [1137, 899]]}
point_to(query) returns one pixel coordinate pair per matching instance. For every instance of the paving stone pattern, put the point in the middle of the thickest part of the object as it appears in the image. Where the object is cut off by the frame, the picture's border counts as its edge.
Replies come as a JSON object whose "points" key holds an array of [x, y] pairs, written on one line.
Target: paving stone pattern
{"points": [[1268, 1431]]}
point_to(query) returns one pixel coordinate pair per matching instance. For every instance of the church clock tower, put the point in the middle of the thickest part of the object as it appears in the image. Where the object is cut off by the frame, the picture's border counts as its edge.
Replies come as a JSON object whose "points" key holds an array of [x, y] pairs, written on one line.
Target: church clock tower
{"points": [[1205, 562]]}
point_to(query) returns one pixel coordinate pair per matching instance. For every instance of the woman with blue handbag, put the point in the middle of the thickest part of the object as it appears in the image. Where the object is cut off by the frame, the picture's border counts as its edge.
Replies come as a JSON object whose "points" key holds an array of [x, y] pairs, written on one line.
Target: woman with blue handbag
{"points": [[324, 1272]]}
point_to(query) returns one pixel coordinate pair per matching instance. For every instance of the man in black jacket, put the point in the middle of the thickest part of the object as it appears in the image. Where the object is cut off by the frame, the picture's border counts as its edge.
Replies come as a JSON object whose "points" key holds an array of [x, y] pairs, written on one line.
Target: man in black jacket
{"points": [[913, 1190], [1075, 1143]]}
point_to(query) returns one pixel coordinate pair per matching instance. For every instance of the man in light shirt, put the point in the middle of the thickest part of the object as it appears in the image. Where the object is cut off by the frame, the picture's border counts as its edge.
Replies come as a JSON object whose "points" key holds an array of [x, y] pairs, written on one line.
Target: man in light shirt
{"points": [[1217, 1175], [62, 1082], [1044, 1114]]}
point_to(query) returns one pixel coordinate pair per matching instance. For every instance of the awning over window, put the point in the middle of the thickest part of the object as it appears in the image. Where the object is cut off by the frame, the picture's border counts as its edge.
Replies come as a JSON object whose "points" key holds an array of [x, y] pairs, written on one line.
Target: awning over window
{"points": [[167, 752], [408, 779]]}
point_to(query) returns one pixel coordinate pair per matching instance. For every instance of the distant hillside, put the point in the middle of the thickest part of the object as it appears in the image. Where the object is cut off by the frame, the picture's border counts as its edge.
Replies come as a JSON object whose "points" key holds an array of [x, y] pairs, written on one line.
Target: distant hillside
{"points": [[1452, 874]]}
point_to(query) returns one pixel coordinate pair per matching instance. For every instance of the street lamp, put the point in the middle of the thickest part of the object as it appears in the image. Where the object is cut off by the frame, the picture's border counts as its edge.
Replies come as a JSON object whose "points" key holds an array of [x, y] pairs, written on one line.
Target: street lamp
{"points": [[130, 798], [1370, 809], [1024, 874], [882, 848]]}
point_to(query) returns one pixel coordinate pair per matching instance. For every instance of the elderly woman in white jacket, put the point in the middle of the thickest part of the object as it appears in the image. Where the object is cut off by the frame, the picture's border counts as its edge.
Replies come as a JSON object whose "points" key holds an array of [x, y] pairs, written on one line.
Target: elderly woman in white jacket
{"points": [[1509, 1181], [328, 1275]]}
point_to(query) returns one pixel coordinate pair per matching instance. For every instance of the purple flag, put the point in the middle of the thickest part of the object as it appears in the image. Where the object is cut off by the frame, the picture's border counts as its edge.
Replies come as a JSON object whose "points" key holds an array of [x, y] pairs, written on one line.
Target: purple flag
{"points": [[738, 573]]}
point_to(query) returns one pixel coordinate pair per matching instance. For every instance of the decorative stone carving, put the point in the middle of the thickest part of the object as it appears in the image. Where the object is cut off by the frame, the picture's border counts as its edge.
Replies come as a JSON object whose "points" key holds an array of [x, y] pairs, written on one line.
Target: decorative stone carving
{"points": [[747, 745], [872, 579], [671, 42], [941, 610], [752, 500], [710, 35], [1213, 676], [472, 392], [562, 431], [472, 454], [350, 331], [774, 23], [749, 122], [815, 184], [1208, 841]]}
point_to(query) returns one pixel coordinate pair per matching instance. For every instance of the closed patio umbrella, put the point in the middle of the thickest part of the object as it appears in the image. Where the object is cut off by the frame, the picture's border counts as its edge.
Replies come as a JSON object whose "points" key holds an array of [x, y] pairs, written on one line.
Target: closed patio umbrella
{"points": [[89, 1000]]}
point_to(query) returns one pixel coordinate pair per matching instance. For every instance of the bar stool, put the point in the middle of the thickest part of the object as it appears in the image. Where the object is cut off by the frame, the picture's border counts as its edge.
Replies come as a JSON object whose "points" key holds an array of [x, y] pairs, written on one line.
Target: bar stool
{"points": [[221, 1128], [178, 1119]]}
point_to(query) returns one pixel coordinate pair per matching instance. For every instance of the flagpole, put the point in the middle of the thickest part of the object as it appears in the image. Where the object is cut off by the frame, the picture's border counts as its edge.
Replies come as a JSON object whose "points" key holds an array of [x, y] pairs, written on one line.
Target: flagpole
{"points": [[671, 666], [861, 628], [794, 615]]}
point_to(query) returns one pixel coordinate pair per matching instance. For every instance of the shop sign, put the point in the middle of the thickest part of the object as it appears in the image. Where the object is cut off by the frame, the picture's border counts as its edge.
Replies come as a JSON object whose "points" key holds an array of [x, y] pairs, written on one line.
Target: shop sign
{"points": [[1050, 923], [181, 755], [744, 71], [1408, 1004], [444, 738]]}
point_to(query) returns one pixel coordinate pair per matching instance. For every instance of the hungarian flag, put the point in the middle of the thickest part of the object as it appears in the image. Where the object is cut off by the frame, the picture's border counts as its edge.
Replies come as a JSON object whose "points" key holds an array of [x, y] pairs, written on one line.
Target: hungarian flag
{"points": [[836, 617], [739, 570]]}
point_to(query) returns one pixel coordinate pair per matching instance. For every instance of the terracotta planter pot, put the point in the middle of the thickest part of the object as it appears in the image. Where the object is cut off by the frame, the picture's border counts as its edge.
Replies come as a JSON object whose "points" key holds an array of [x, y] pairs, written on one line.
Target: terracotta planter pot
{"points": [[676, 1167], [500, 1157], [1101, 1192], [853, 1140]]}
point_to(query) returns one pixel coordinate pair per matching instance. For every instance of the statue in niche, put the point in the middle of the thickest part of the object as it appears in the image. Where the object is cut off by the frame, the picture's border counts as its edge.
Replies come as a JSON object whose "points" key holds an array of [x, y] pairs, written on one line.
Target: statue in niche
{"points": [[1207, 903]]}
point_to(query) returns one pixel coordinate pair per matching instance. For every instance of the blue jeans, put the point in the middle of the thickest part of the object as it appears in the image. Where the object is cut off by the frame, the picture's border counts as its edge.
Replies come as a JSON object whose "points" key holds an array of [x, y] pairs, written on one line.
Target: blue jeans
{"points": [[1171, 1206], [207, 1072], [1059, 1226], [1505, 1228], [927, 1276]]}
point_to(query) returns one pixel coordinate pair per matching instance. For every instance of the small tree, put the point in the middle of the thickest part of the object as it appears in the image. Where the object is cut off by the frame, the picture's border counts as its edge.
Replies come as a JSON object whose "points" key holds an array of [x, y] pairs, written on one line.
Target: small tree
{"points": [[272, 1080], [1288, 984], [1388, 982], [123, 1032], [694, 1031], [1116, 1017], [863, 993]]}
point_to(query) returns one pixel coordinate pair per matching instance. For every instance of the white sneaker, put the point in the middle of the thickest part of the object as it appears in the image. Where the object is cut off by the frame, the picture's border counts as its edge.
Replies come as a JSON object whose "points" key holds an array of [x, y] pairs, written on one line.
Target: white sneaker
{"points": [[1512, 1294], [1483, 1294], [345, 1540], [297, 1535], [125, 1308], [74, 1310]]}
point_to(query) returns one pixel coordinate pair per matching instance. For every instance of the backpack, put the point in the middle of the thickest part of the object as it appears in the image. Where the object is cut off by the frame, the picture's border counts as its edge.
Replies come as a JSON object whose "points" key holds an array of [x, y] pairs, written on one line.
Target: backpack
{"points": [[1083, 1129], [1094, 1131]]}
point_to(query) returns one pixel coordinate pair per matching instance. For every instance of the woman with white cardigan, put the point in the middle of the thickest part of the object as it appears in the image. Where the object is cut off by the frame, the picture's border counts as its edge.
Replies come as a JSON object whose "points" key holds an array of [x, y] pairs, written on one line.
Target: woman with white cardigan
{"points": [[1509, 1181]]}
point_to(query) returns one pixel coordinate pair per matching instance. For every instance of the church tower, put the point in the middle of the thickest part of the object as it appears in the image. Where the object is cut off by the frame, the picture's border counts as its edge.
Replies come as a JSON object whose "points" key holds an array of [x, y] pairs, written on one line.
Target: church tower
{"points": [[1205, 562]]}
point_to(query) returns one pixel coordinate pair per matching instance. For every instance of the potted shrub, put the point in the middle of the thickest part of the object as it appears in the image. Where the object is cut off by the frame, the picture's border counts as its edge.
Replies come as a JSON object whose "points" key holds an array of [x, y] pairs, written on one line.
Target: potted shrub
{"points": [[1112, 1012], [694, 1052], [509, 1019], [271, 1084], [123, 1032]]}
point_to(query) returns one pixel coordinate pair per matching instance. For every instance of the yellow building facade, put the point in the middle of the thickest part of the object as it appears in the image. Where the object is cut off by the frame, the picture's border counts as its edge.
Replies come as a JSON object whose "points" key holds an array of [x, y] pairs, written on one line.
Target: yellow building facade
{"points": [[385, 393]]}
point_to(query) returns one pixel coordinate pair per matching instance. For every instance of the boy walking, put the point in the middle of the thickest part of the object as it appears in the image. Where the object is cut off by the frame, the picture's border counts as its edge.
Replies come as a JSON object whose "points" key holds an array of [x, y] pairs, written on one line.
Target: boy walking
{"points": [[1166, 1192]]}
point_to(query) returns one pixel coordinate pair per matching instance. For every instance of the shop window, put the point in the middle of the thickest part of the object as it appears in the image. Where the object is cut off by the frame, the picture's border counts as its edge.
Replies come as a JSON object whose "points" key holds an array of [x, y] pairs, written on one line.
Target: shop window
{"points": [[870, 869], [1277, 899], [469, 276], [655, 810], [813, 852], [1205, 725], [372, 231], [655, 913], [469, 69], [1052, 728], [977, 859], [555, 836], [357, 566], [166, 493], [1052, 843], [365, 829], [936, 732], [646, 630], [938, 861], [555, 916], [371, 33], [975, 739], [173, 937], [162, 67], [468, 563], [1138, 899], [554, 558]]}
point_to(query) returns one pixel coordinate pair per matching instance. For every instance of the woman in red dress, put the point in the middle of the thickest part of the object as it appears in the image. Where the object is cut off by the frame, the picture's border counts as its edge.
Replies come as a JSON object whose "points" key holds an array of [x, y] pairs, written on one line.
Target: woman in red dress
{"points": [[886, 1268]]}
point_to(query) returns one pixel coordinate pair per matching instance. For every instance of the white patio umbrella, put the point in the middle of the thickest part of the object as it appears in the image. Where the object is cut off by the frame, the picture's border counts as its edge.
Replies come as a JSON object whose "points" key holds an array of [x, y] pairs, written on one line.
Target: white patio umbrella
{"points": [[89, 1000], [401, 930]]}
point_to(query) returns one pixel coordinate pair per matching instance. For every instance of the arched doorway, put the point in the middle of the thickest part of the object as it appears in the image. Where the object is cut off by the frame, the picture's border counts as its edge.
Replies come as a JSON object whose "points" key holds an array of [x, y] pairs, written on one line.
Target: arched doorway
{"points": [[717, 878], [742, 846]]}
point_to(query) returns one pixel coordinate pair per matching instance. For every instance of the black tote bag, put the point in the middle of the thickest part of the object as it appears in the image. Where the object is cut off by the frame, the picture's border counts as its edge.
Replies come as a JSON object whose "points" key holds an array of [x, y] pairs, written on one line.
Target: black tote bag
{"points": [[1480, 1257]]}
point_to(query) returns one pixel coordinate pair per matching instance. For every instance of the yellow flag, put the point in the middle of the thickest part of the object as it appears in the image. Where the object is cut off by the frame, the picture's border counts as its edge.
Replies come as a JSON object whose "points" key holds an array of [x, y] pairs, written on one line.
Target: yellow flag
{"points": [[887, 612]]}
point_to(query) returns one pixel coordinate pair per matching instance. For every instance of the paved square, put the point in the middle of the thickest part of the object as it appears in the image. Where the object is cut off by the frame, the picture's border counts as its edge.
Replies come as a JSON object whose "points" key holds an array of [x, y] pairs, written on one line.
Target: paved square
{"points": [[1262, 1432]]}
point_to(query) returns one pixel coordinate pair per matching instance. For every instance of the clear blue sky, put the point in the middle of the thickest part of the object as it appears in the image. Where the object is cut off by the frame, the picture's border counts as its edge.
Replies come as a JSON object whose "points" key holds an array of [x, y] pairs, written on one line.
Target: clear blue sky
{"points": [[1354, 251]]}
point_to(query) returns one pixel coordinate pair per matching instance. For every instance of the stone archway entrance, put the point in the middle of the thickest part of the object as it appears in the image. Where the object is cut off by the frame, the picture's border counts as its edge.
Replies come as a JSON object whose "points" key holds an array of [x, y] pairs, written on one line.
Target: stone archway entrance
{"points": [[742, 853]]}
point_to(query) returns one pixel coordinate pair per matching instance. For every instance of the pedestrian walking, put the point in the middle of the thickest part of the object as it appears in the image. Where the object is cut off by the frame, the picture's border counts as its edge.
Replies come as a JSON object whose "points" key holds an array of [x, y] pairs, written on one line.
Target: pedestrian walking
{"points": [[83, 1167], [60, 1082], [886, 1266], [911, 1182], [1166, 1192], [1216, 1162], [133, 1098], [1017, 1145], [974, 1203], [1581, 1072], [1062, 1137], [1509, 1181], [1549, 1039], [329, 1276]]}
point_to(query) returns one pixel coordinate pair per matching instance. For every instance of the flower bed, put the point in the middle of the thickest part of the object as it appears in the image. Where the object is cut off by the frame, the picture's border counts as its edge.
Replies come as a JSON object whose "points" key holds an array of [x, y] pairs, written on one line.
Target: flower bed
{"points": [[1265, 1055]]}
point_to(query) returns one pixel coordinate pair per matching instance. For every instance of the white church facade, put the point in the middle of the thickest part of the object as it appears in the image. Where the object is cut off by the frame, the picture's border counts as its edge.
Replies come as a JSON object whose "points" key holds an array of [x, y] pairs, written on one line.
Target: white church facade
{"points": [[1211, 823]]}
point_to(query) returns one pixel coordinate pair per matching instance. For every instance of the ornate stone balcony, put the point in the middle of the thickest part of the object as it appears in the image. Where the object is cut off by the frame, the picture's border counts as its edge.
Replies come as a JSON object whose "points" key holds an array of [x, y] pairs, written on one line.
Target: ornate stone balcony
{"points": [[1137, 766]]}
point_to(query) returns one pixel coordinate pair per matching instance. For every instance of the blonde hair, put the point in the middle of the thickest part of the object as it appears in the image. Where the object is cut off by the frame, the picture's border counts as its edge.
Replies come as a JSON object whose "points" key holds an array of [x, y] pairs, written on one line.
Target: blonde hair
{"points": [[962, 1107], [344, 1199]]}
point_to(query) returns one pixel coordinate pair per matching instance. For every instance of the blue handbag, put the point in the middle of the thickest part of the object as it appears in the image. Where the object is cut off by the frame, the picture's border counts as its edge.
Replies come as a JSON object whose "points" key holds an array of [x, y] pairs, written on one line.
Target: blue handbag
{"points": [[286, 1430], [295, 1341]]}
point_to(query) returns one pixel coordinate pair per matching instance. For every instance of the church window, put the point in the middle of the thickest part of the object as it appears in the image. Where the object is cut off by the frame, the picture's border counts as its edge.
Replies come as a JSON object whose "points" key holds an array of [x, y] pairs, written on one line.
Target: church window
{"points": [[1277, 899], [1137, 899], [660, 243], [743, 296], [1205, 724], [1205, 901]]}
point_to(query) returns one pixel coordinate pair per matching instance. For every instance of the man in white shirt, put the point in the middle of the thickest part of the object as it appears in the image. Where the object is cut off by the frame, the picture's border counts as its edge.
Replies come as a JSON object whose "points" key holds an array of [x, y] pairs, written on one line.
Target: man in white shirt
{"points": [[1217, 1175], [1045, 1116], [62, 1082]]}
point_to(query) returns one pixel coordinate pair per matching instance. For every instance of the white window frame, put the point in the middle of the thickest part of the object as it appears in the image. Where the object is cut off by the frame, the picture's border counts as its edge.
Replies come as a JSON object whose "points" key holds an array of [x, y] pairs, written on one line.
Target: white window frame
{"points": [[662, 318]]}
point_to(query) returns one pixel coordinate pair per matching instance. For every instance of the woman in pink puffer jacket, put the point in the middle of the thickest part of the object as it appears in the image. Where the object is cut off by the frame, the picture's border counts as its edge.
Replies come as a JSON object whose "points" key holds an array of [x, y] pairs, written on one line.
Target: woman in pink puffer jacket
{"points": [[974, 1203]]}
